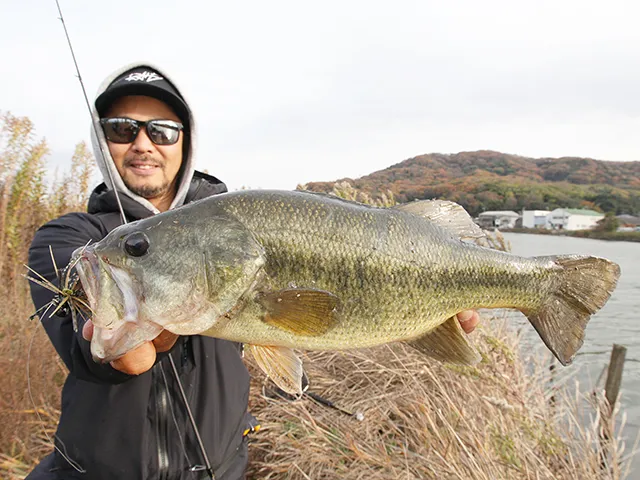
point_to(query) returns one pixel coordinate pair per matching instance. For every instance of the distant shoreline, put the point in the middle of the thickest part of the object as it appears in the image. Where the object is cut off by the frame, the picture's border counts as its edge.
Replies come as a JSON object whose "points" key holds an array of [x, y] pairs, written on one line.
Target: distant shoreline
{"points": [[596, 235]]}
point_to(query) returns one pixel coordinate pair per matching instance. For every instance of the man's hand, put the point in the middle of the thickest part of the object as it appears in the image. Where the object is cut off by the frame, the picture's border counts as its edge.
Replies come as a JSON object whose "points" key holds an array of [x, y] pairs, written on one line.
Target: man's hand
{"points": [[468, 319], [141, 358]]}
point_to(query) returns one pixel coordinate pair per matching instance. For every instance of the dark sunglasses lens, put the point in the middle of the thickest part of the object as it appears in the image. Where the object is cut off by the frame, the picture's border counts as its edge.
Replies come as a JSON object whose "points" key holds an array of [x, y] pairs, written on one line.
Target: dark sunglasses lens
{"points": [[120, 130], [163, 132]]}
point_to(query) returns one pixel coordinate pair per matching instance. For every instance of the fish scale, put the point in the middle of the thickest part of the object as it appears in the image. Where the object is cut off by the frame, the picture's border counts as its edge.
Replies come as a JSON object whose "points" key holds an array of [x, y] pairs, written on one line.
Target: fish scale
{"points": [[384, 265]]}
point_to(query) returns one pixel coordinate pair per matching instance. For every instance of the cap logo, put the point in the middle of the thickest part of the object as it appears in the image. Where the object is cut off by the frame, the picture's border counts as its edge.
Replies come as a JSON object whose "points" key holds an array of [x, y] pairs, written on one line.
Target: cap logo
{"points": [[143, 77]]}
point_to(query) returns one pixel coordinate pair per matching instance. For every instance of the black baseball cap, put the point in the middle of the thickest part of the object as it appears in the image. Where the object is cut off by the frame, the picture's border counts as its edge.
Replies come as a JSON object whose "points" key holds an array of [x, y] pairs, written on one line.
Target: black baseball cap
{"points": [[143, 81]]}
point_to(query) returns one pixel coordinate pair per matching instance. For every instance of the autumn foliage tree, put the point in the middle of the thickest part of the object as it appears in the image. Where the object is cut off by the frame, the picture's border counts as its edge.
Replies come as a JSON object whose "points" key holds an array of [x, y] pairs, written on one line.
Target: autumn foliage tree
{"points": [[487, 180], [608, 224]]}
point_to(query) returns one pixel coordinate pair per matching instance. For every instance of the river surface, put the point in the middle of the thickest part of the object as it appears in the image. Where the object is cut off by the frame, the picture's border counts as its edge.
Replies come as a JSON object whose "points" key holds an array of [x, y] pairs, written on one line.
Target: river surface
{"points": [[618, 322]]}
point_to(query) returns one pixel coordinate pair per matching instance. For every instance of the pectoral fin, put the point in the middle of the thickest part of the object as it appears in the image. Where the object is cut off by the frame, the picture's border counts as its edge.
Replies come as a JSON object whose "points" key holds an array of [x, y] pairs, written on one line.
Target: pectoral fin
{"points": [[281, 364], [301, 311], [448, 343]]}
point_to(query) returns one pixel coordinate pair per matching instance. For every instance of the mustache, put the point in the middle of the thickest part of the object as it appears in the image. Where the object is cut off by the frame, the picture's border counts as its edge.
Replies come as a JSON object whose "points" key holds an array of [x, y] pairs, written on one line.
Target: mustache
{"points": [[130, 160]]}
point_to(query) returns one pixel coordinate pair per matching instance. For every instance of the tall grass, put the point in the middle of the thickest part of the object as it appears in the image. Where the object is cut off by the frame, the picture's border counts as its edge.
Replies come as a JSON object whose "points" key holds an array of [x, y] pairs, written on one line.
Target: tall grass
{"points": [[421, 419], [26, 202]]}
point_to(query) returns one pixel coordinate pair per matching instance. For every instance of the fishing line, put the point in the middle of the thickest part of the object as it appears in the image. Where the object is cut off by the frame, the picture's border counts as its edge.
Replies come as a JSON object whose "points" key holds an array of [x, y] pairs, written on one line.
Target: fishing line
{"points": [[173, 416], [58, 301], [191, 419], [124, 221], [69, 460]]}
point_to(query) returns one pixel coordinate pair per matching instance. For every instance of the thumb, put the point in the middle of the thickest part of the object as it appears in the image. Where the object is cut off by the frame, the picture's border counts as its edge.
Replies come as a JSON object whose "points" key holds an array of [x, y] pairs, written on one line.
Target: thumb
{"points": [[137, 361], [87, 330], [165, 341]]}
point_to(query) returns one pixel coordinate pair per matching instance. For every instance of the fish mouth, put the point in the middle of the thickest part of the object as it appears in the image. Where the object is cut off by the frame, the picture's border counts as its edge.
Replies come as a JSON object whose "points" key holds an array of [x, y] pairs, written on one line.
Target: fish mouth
{"points": [[95, 274], [88, 269], [113, 298], [109, 344]]}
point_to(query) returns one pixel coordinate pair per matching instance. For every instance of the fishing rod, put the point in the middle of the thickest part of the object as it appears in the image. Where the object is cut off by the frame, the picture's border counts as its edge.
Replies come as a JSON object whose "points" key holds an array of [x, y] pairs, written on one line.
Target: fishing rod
{"points": [[93, 123], [174, 370]]}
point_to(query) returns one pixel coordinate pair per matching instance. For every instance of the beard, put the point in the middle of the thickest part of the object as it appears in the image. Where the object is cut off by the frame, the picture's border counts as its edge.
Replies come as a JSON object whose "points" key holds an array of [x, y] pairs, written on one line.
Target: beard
{"points": [[147, 191]]}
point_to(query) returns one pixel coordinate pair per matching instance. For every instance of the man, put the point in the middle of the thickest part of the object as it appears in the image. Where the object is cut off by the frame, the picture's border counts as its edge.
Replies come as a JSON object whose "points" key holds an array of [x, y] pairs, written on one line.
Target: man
{"points": [[127, 419]]}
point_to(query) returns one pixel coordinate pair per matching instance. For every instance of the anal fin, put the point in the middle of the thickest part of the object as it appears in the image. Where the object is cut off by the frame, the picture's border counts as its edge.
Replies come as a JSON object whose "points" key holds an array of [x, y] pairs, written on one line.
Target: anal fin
{"points": [[448, 343], [281, 364]]}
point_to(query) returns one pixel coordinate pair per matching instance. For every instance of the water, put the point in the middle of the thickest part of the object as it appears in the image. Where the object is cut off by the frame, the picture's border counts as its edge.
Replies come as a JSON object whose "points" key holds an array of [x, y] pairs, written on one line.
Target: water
{"points": [[618, 322]]}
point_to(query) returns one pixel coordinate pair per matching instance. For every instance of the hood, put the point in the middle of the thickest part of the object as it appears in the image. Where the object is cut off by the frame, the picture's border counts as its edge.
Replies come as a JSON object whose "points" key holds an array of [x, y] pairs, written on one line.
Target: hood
{"points": [[103, 200], [105, 161]]}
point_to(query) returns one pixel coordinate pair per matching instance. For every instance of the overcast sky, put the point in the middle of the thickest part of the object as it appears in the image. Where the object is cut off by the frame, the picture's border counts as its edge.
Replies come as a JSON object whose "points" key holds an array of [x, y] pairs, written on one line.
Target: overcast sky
{"points": [[292, 92]]}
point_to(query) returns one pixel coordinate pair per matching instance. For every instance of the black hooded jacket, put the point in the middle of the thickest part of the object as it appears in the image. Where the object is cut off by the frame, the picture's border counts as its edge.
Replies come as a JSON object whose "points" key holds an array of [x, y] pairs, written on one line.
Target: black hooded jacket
{"points": [[116, 426]]}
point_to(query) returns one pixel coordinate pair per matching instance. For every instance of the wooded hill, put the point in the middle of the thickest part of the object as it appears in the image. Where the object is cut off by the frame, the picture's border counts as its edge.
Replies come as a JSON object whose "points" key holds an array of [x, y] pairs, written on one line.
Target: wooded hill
{"points": [[487, 180]]}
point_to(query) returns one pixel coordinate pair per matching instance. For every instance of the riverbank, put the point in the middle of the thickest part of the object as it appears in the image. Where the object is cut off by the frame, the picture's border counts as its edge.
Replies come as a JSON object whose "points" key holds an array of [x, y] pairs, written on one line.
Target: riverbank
{"points": [[596, 235]]}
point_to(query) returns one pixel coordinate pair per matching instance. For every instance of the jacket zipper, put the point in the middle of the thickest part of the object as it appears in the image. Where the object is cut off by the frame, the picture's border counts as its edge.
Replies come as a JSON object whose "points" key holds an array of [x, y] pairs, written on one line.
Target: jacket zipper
{"points": [[162, 405]]}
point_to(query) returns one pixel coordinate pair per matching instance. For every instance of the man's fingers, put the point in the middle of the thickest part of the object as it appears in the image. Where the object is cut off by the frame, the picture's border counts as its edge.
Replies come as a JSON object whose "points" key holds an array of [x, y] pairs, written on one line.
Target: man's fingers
{"points": [[165, 341], [137, 361], [468, 319], [141, 358], [87, 330]]}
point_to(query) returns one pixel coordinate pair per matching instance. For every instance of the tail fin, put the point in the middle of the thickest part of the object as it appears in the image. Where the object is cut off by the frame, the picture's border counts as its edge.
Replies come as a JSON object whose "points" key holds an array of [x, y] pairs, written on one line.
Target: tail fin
{"points": [[584, 286]]}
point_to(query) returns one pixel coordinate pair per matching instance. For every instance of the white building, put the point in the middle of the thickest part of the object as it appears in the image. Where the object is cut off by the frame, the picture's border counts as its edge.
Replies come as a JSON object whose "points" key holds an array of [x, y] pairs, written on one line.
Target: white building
{"points": [[498, 219], [573, 219], [534, 218]]}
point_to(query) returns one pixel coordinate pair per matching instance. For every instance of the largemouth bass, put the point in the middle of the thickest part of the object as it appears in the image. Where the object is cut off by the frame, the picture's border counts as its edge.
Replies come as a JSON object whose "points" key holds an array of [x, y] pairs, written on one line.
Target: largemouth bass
{"points": [[281, 270]]}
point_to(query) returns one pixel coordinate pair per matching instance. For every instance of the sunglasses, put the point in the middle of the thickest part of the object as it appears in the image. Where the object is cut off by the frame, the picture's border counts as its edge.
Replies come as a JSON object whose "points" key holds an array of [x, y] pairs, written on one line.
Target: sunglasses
{"points": [[125, 130]]}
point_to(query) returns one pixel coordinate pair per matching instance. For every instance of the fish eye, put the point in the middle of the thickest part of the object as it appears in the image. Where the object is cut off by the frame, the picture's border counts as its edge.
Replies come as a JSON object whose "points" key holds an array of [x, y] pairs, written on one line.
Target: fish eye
{"points": [[136, 244]]}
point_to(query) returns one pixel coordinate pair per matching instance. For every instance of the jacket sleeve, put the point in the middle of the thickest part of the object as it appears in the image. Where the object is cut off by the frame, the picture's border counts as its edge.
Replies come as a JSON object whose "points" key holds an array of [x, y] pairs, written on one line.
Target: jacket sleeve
{"points": [[64, 235]]}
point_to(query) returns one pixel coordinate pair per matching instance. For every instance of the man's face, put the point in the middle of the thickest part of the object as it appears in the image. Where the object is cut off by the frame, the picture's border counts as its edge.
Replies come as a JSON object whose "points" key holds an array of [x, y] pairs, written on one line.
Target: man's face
{"points": [[147, 169]]}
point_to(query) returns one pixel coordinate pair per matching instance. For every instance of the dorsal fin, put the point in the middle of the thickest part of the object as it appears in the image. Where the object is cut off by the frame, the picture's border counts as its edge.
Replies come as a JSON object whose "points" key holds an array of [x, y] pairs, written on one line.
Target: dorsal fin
{"points": [[446, 214]]}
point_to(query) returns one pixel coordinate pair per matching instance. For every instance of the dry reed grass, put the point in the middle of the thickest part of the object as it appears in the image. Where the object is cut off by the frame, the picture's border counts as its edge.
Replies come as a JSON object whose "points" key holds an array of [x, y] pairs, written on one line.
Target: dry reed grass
{"points": [[26, 202], [27, 358], [423, 419]]}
